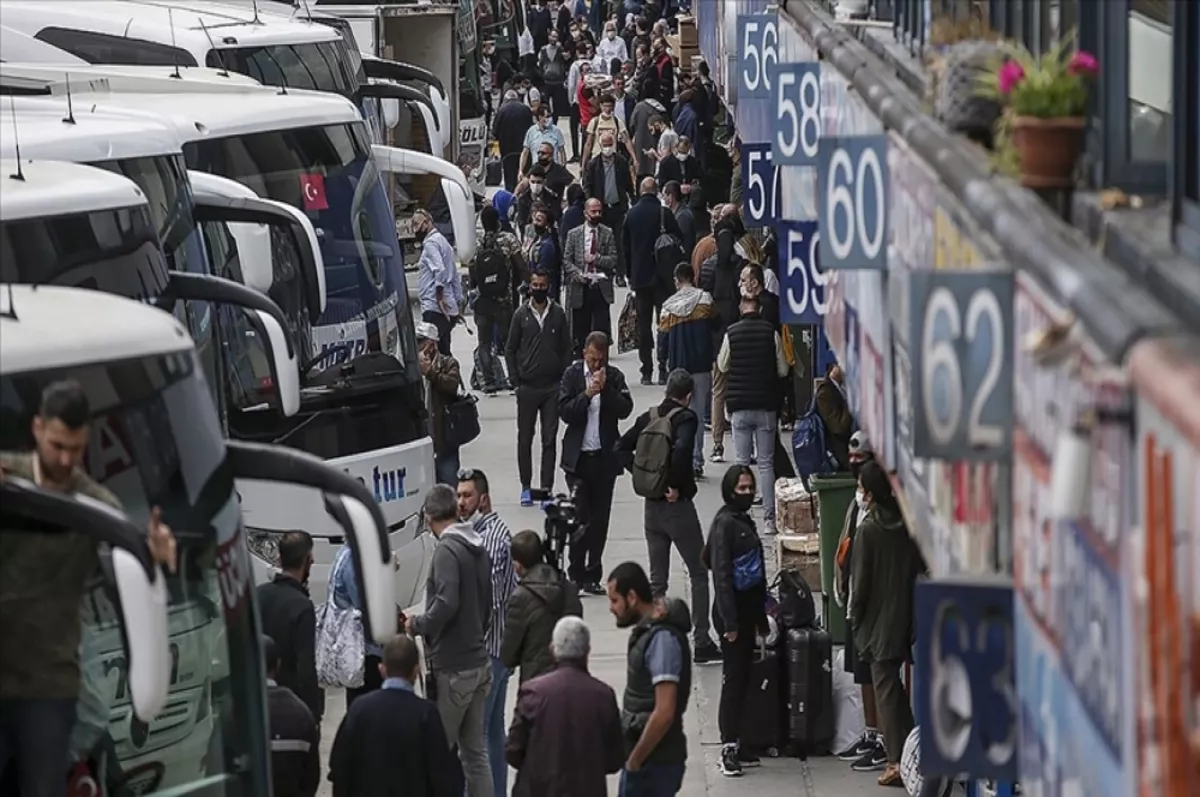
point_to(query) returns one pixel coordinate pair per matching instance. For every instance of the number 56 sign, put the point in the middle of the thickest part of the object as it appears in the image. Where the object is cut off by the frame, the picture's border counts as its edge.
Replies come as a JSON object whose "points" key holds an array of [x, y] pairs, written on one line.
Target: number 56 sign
{"points": [[960, 342]]}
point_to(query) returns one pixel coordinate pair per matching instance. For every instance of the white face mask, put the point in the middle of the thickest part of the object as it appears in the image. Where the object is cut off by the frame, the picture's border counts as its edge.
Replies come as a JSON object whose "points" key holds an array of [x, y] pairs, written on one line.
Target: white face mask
{"points": [[681, 156], [535, 188], [473, 518], [611, 35], [606, 115], [607, 150], [861, 499]]}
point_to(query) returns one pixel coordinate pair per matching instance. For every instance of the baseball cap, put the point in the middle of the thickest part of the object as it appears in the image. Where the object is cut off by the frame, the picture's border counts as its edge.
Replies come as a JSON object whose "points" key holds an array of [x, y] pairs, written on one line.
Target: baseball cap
{"points": [[427, 331], [859, 444]]}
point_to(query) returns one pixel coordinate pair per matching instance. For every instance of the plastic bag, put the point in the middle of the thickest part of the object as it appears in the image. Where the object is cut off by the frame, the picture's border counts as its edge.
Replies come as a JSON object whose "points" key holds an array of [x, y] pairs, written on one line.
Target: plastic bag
{"points": [[627, 337], [849, 724], [910, 763]]}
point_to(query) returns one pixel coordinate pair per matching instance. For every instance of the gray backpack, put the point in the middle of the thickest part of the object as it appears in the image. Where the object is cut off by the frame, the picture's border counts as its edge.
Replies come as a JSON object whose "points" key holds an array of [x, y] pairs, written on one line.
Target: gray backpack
{"points": [[652, 455]]}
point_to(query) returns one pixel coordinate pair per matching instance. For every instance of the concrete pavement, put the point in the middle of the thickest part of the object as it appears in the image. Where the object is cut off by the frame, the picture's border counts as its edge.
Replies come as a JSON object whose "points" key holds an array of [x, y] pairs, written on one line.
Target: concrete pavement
{"points": [[495, 452]]}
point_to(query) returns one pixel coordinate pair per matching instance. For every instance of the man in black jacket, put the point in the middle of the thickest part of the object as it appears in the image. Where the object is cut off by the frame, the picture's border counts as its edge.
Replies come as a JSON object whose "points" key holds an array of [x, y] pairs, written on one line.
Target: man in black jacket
{"points": [[651, 285], [592, 399], [391, 742], [289, 619], [538, 351], [672, 519], [295, 737], [609, 179], [541, 599]]}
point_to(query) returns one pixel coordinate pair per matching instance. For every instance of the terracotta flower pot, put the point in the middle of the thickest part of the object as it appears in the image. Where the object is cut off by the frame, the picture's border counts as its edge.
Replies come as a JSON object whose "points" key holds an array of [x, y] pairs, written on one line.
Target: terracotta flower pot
{"points": [[1048, 149]]}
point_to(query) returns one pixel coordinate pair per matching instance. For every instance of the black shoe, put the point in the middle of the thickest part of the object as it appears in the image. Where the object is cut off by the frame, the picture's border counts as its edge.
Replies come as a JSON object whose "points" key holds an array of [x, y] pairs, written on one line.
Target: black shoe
{"points": [[646, 380], [594, 588], [862, 745], [873, 761], [706, 652], [730, 766], [748, 759], [620, 281], [662, 377]]}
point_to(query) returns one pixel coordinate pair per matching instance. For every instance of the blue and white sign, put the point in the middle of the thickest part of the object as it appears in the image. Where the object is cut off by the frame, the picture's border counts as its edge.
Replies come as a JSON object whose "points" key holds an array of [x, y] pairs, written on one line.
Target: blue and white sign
{"points": [[801, 283], [761, 194], [852, 202], [960, 344], [758, 53], [966, 697], [796, 114]]}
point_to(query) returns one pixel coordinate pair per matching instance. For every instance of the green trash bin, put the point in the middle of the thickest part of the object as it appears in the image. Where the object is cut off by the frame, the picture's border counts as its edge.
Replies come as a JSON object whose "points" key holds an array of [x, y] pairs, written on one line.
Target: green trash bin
{"points": [[834, 495]]}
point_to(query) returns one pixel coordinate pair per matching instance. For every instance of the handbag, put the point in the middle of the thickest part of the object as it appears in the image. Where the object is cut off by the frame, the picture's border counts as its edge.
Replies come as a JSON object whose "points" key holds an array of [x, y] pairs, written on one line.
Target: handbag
{"points": [[341, 645], [627, 337], [460, 420]]}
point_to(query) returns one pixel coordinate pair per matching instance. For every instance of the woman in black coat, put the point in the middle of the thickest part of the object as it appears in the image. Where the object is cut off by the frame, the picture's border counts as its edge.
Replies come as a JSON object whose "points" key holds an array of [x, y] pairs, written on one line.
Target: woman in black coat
{"points": [[735, 555]]}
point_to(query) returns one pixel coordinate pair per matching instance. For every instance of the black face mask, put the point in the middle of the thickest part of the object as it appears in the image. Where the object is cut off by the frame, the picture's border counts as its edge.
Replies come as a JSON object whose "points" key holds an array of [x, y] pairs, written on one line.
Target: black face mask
{"points": [[741, 502], [594, 222], [544, 161], [539, 294]]}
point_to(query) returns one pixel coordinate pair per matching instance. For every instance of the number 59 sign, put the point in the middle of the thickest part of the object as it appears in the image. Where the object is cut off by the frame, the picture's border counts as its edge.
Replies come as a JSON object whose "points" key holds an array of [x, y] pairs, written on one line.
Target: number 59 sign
{"points": [[960, 345]]}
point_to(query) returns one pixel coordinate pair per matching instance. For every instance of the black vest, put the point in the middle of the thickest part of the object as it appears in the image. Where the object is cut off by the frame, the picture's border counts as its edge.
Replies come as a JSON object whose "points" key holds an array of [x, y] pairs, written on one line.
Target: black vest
{"points": [[752, 382], [638, 702]]}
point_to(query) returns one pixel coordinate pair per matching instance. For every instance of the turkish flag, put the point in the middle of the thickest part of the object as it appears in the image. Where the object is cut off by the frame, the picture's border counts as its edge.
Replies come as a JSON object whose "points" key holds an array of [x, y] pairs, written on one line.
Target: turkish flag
{"points": [[312, 186]]}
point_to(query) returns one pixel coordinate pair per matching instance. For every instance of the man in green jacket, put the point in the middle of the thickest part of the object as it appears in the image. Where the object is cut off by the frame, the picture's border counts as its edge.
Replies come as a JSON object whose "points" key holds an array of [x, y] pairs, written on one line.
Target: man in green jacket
{"points": [[885, 565], [541, 599]]}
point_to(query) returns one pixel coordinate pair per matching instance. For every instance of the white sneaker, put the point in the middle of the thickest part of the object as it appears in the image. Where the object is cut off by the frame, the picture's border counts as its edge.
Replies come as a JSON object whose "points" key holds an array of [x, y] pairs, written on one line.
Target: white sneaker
{"points": [[769, 528]]}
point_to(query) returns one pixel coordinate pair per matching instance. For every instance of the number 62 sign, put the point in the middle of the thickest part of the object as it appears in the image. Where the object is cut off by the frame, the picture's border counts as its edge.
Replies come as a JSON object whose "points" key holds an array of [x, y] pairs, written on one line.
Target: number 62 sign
{"points": [[960, 345]]}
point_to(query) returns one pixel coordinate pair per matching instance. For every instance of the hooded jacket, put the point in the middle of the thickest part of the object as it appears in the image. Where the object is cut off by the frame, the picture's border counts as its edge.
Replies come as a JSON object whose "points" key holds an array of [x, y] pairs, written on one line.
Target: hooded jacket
{"points": [[885, 565], [688, 318], [458, 599], [540, 600]]}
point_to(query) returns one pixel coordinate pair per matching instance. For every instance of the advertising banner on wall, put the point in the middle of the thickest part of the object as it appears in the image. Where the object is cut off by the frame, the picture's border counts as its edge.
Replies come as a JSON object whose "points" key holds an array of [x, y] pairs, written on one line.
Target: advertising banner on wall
{"points": [[1166, 559], [1073, 593]]}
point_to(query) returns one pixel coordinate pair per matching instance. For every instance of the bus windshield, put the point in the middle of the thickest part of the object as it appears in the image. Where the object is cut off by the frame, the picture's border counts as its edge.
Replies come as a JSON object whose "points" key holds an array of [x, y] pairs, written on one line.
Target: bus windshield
{"points": [[328, 172], [319, 66], [156, 441]]}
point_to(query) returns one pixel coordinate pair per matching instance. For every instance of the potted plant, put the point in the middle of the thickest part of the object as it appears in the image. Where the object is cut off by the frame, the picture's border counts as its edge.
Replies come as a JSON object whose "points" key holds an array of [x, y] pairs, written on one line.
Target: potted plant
{"points": [[1045, 98]]}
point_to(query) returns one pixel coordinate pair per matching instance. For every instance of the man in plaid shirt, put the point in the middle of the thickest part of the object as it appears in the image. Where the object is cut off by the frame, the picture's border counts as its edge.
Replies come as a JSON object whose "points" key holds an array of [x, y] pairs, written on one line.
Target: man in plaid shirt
{"points": [[475, 507]]}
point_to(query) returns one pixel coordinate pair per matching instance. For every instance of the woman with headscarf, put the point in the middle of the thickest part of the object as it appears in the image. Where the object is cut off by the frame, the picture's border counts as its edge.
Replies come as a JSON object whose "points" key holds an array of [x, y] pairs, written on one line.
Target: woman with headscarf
{"points": [[734, 553]]}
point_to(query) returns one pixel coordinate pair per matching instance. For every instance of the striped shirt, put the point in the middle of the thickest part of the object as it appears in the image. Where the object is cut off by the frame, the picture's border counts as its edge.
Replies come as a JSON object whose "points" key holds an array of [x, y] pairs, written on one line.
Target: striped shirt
{"points": [[496, 540]]}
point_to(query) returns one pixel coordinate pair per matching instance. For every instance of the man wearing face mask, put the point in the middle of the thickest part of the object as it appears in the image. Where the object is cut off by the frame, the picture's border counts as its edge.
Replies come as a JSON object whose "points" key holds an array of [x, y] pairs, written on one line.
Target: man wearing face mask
{"points": [[541, 247], [606, 123], [536, 191], [542, 132], [610, 180], [538, 351], [288, 617], [867, 752], [439, 286], [592, 399], [443, 379], [659, 80], [682, 167], [589, 263], [611, 46], [558, 177], [552, 63]]}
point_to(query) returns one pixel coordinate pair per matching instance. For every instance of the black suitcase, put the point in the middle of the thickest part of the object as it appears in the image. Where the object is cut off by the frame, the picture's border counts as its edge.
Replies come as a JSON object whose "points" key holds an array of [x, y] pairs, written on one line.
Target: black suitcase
{"points": [[811, 712], [764, 714]]}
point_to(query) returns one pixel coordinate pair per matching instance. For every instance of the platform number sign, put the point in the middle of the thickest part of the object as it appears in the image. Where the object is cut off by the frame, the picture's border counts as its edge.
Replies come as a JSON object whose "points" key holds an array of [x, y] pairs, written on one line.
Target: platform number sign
{"points": [[758, 53], [852, 201], [762, 197], [960, 335], [966, 687], [796, 114], [802, 283]]}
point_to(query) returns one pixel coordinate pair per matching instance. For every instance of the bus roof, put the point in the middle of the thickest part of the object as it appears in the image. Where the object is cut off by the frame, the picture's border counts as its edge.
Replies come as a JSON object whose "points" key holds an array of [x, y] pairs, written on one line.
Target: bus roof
{"points": [[55, 188], [89, 136], [47, 327], [189, 25]]}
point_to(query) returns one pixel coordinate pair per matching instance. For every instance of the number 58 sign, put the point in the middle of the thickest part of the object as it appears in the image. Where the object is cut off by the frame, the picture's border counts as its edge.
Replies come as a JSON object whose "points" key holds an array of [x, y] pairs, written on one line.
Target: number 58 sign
{"points": [[960, 342]]}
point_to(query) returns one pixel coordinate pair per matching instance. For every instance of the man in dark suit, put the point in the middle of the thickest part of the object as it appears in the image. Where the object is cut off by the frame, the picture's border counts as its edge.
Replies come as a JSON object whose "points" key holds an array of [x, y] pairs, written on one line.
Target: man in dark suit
{"points": [[589, 260], [610, 179], [509, 126], [592, 399], [391, 742], [651, 285], [288, 618]]}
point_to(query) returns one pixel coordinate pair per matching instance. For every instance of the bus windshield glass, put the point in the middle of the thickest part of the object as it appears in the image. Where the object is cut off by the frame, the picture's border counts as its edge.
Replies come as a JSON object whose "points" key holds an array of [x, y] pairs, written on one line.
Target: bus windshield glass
{"points": [[319, 66], [156, 442], [328, 172]]}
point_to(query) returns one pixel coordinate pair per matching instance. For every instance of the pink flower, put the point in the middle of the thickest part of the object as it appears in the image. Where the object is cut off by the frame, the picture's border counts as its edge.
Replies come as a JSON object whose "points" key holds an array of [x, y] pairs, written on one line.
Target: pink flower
{"points": [[1011, 74], [1083, 63]]}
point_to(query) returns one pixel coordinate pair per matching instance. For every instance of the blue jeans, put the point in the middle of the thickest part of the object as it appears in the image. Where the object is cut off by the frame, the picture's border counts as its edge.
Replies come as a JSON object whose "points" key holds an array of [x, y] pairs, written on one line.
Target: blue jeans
{"points": [[701, 404], [756, 429], [445, 467], [493, 726], [659, 780]]}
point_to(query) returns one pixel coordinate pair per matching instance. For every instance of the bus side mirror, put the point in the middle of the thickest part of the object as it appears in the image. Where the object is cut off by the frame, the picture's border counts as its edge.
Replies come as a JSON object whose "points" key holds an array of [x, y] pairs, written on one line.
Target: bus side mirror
{"points": [[142, 590], [264, 315], [391, 112], [462, 216]]}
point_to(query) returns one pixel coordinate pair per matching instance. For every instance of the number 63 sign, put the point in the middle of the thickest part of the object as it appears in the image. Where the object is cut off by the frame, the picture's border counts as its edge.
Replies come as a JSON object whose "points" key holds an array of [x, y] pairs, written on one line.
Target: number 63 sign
{"points": [[960, 345]]}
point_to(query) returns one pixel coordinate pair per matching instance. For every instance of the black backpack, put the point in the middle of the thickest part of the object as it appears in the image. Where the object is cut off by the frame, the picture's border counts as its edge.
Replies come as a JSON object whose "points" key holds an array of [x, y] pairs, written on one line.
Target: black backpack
{"points": [[492, 271], [797, 608]]}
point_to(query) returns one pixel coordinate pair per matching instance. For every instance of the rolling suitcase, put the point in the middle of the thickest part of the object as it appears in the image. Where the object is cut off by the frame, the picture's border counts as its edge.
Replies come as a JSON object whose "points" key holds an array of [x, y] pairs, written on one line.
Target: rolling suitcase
{"points": [[811, 711], [764, 714]]}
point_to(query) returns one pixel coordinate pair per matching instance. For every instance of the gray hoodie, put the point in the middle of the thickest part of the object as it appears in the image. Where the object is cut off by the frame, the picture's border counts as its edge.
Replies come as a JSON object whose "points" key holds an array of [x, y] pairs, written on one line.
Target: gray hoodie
{"points": [[458, 600]]}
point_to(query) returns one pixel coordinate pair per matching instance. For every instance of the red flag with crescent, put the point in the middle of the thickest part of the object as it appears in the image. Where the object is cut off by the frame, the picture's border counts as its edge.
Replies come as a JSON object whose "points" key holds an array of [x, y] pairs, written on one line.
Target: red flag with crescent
{"points": [[312, 186]]}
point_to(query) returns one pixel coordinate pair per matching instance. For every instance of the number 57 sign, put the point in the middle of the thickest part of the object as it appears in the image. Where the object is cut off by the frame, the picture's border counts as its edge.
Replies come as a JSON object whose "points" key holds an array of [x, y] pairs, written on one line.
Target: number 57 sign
{"points": [[960, 341]]}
